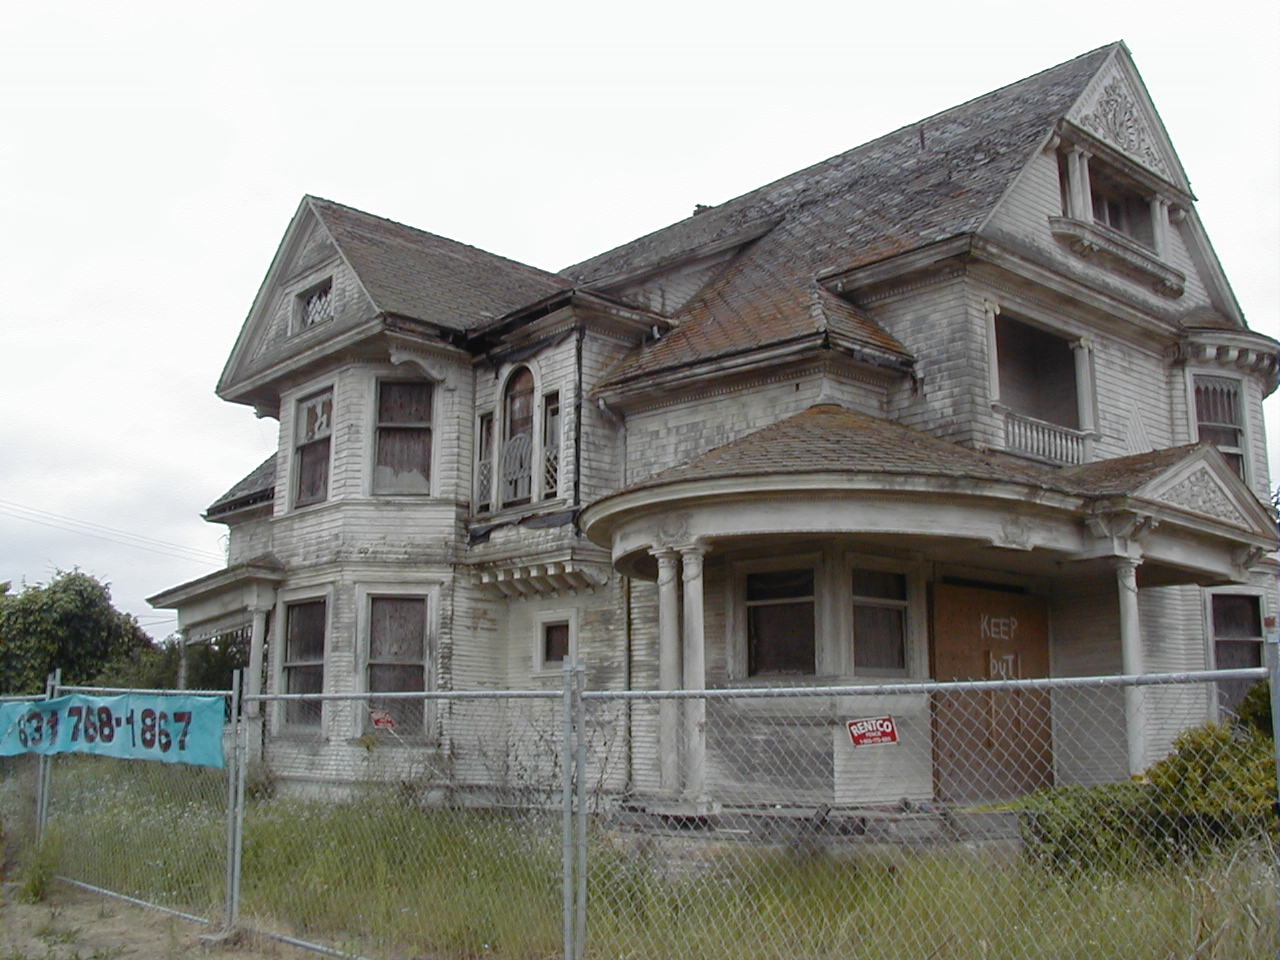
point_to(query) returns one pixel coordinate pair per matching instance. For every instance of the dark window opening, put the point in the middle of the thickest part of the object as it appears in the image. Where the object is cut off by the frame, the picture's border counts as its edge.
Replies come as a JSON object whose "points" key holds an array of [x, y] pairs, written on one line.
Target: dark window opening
{"points": [[879, 622], [304, 660], [517, 439], [1037, 373], [403, 457], [397, 658], [780, 623], [1237, 643], [555, 642], [315, 306], [1120, 207], [1218, 418], [312, 431]]}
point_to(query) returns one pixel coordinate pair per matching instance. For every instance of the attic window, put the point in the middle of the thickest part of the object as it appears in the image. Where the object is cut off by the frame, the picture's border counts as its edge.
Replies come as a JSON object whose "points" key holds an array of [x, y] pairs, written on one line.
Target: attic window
{"points": [[1120, 207], [315, 306]]}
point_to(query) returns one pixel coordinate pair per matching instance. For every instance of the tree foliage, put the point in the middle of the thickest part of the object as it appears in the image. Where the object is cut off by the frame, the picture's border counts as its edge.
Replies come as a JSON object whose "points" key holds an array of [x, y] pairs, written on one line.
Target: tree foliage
{"points": [[68, 623]]}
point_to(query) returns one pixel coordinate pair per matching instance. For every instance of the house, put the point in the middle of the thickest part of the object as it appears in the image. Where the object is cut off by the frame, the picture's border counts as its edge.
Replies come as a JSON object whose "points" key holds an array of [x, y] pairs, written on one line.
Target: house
{"points": [[971, 400]]}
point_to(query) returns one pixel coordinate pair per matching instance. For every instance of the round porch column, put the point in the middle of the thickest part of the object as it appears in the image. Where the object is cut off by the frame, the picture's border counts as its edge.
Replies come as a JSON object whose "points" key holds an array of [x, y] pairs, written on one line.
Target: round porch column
{"points": [[1131, 662], [253, 673], [182, 659], [668, 668], [695, 676]]}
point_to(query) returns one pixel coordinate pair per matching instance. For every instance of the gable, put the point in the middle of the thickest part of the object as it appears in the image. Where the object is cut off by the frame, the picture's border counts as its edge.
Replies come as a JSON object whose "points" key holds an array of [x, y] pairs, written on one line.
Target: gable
{"points": [[1116, 108], [1203, 484], [307, 264]]}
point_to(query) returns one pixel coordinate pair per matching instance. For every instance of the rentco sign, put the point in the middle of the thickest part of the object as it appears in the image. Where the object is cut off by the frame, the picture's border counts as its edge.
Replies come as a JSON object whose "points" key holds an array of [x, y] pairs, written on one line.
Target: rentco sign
{"points": [[872, 730]]}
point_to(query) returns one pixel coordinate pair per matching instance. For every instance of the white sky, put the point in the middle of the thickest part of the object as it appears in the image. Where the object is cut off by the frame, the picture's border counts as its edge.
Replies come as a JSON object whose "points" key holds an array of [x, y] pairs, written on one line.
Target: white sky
{"points": [[151, 155]]}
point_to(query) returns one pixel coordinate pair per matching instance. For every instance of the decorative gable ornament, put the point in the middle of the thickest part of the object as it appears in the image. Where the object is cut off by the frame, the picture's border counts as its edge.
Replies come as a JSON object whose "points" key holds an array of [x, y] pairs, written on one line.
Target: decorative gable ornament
{"points": [[1200, 492], [1116, 114]]}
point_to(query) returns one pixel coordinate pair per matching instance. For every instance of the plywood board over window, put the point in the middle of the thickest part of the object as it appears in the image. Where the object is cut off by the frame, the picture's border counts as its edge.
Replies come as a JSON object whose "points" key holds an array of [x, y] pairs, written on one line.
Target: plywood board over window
{"points": [[1237, 643], [402, 461], [397, 658]]}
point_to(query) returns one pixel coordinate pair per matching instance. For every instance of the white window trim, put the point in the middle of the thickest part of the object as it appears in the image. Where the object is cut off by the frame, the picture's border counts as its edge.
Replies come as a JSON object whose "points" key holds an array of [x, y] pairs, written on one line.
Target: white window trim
{"points": [[542, 386], [279, 638], [1210, 638], [916, 626], [404, 374], [303, 288], [290, 430], [736, 618], [1193, 419], [397, 589], [540, 621]]}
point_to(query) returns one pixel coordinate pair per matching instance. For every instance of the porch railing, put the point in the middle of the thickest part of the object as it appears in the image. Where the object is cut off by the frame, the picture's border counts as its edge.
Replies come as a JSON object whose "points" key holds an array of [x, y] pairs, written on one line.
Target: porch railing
{"points": [[1043, 440]]}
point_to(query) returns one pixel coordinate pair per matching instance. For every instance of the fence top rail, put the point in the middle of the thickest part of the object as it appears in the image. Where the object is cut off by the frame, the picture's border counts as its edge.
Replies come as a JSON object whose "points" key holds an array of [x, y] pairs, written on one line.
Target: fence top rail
{"points": [[556, 694], [114, 691], [935, 686], [21, 697]]}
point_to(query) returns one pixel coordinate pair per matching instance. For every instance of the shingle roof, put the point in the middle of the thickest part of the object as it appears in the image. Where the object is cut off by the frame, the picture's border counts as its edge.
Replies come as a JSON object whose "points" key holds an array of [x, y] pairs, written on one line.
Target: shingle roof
{"points": [[258, 487], [417, 274], [831, 439], [924, 183]]}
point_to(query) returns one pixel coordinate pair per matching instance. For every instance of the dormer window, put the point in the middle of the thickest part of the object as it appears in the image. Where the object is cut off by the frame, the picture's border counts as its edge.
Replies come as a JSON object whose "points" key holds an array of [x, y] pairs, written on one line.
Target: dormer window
{"points": [[1120, 207], [315, 306]]}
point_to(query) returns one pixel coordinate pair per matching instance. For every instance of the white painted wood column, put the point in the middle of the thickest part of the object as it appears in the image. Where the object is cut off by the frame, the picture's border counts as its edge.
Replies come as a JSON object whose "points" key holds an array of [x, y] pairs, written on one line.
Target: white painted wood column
{"points": [[1160, 226], [1082, 353], [668, 668], [182, 659], [1131, 662], [253, 673], [1079, 192], [695, 676]]}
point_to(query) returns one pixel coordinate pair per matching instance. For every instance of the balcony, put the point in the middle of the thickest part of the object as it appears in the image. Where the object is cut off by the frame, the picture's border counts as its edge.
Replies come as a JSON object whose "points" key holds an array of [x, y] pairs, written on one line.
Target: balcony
{"points": [[1041, 440]]}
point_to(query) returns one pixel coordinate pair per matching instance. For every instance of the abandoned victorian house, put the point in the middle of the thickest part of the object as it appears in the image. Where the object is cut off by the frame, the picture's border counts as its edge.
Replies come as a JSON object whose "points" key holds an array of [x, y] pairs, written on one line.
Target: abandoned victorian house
{"points": [[971, 400]]}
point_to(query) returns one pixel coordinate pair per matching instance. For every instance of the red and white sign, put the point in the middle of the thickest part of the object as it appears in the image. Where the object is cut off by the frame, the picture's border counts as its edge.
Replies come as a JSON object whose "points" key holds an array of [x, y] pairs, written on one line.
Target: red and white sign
{"points": [[872, 730], [382, 719]]}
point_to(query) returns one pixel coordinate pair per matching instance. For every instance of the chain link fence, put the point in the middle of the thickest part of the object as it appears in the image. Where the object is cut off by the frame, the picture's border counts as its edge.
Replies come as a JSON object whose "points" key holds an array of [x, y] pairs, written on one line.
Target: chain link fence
{"points": [[1081, 818]]}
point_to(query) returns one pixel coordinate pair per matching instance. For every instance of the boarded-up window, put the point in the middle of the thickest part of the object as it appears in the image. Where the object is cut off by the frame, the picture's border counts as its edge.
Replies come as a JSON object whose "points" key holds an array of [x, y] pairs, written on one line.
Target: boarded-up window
{"points": [[484, 463], [517, 439], [1037, 373], [879, 622], [397, 657], [304, 660], [402, 461], [551, 445], [779, 608], [1218, 418], [312, 429], [1237, 642], [555, 642]]}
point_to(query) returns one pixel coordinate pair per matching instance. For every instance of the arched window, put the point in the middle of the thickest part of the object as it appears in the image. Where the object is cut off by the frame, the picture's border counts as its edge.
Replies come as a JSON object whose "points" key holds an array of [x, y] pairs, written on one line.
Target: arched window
{"points": [[517, 439]]}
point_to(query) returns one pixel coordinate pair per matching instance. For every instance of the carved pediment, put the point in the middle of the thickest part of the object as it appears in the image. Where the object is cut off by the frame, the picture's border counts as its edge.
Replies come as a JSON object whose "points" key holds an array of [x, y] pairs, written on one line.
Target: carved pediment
{"points": [[1116, 116], [1201, 492]]}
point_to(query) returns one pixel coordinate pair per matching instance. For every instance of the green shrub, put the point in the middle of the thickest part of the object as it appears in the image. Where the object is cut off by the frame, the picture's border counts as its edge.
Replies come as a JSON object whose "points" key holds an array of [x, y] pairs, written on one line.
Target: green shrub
{"points": [[1216, 787], [1255, 709]]}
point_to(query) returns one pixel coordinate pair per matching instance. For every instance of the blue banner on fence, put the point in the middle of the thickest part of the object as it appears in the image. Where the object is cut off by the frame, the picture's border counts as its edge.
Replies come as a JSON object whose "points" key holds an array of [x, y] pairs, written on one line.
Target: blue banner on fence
{"points": [[175, 729]]}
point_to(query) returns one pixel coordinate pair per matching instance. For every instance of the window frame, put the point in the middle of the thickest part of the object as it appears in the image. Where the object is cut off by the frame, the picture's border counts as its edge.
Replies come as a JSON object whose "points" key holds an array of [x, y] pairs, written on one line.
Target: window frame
{"points": [[1216, 708], [543, 619], [497, 417], [915, 618], [366, 593], [281, 721], [377, 425], [1193, 417], [737, 617], [298, 445], [298, 324]]}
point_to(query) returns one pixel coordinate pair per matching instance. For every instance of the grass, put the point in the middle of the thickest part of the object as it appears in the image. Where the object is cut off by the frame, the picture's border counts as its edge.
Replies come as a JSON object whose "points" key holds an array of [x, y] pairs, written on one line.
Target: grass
{"points": [[388, 878]]}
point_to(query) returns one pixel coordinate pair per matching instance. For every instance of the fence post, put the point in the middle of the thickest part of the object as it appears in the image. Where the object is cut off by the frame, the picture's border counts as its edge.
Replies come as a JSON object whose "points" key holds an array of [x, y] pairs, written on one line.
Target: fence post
{"points": [[1271, 654], [231, 904], [566, 811], [44, 765], [580, 762]]}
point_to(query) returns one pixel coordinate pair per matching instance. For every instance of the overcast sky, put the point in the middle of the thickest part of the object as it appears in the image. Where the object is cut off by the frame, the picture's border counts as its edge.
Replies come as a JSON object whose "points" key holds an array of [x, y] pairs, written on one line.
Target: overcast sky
{"points": [[151, 155]]}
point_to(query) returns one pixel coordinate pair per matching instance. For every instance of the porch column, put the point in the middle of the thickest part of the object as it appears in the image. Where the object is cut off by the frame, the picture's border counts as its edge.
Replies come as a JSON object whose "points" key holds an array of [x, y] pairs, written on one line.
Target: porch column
{"points": [[182, 660], [1079, 191], [1082, 352], [668, 668], [1131, 662], [695, 677], [253, 673]]}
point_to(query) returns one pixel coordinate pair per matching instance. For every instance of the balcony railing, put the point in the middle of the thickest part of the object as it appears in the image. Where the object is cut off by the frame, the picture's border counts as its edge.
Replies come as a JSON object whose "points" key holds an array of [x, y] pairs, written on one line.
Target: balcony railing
{"points": [[1044, 441]]}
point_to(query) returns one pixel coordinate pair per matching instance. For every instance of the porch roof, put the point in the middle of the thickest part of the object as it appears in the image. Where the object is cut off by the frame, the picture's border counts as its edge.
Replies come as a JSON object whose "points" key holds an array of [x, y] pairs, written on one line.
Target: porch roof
{"points": [[828, 470]]}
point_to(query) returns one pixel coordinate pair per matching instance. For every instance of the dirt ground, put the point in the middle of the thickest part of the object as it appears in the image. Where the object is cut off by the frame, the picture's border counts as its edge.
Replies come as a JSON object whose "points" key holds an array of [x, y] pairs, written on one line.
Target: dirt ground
{"points": [[75, 925]]}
